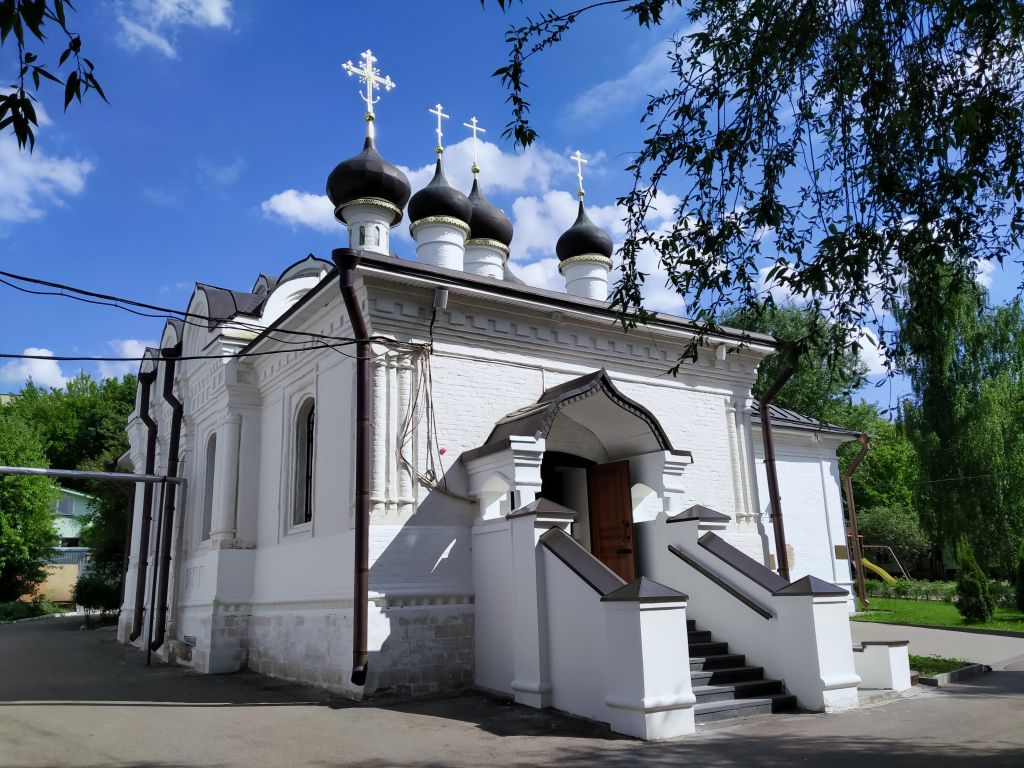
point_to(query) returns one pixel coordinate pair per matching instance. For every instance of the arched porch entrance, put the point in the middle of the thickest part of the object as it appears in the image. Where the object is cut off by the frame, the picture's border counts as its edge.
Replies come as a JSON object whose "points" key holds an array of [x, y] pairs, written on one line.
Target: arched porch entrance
{"points": [[586, 446]]}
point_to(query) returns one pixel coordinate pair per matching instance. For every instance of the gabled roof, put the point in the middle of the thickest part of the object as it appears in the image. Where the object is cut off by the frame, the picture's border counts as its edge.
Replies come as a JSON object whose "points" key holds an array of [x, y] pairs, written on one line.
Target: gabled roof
{"points": [[223, 304], [785, 418], [536, 420]]}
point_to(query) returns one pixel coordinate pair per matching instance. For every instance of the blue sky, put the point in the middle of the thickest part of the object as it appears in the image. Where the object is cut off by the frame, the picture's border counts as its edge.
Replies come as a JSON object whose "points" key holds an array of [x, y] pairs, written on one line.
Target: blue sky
{"points": [[225, 119]]}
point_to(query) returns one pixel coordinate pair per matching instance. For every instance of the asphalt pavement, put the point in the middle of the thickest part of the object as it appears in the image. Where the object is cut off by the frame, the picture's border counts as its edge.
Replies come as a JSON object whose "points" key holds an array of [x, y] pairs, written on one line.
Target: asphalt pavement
{"points": [[72, 697]]}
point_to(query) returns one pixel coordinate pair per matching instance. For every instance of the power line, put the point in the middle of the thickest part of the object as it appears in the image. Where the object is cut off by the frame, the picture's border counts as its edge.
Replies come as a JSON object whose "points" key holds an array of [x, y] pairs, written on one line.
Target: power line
{"points": [[228, 356], [119, 302]]}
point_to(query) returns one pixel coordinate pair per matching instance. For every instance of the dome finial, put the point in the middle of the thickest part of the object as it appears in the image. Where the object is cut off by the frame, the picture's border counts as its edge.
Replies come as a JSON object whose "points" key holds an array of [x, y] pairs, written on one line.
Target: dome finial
{"points": [[371, 76], [580, 162], [439, 111], [472, 125]]}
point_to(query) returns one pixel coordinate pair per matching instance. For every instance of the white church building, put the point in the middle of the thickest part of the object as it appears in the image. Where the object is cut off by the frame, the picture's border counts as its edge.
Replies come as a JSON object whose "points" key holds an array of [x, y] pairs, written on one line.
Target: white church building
{"points": [[419, 475]]}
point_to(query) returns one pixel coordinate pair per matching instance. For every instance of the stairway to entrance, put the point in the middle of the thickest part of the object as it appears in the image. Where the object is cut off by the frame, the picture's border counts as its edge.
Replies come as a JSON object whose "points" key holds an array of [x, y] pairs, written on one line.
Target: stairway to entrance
{"points": [[725, 686]]}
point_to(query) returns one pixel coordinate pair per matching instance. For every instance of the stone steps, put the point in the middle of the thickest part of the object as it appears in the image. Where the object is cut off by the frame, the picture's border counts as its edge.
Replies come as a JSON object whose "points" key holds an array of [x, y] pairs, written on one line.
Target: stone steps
{"points": [[725, 686], [708, 712]]}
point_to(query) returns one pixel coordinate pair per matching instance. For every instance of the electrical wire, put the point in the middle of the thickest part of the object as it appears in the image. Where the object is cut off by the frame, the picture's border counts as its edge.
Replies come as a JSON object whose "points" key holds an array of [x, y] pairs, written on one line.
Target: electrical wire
{"points": [[127, 305], [190, 318]]}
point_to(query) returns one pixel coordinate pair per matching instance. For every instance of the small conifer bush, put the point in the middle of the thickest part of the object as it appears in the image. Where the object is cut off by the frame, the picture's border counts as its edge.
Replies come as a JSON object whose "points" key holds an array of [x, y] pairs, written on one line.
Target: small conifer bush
{"points": [[1020, 577], [973, 599]]}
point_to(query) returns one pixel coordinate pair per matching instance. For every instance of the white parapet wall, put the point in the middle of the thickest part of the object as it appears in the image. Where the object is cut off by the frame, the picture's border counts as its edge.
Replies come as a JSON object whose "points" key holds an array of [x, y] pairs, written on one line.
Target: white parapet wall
{"points": [[799, 632], [883, 664]]}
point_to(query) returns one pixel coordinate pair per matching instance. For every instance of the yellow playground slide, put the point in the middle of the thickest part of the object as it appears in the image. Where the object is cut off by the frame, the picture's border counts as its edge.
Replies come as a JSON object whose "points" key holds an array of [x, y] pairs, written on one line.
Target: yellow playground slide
{"points": [[882, 574]]}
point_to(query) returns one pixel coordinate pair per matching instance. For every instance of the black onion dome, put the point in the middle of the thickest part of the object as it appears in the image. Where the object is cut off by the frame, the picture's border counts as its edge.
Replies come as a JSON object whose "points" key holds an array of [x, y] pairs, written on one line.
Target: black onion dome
{"points": [[487, 222], [583, 237], [368, 175], [439, 198]]}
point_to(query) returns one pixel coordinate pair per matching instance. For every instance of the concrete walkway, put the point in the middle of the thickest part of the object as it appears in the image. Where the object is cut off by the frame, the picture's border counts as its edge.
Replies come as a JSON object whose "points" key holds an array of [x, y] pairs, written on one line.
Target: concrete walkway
{"points": [[998, 651], [76, 698]]}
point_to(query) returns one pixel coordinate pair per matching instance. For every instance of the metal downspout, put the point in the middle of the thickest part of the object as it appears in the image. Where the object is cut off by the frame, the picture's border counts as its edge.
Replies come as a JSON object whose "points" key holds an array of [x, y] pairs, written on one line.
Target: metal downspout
{"points": [[770, 471], [347, 259], [865, 444], [146, 379], [170, 494]]}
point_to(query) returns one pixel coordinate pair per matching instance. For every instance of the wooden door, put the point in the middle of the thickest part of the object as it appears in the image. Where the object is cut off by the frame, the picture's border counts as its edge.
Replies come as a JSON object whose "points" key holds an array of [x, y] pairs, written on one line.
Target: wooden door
{"points": [[611, 517]]}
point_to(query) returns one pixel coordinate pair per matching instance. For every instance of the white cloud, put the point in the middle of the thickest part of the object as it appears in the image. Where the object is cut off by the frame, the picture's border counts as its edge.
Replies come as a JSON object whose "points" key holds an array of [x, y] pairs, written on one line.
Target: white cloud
{"points": [[124, 348], [44, 373], [225, 175], [540, 221], [301, 208], [984, 270], [154, 23], [869, 354], [134, 37], [534, 168], [653, 73], [32, 180]]}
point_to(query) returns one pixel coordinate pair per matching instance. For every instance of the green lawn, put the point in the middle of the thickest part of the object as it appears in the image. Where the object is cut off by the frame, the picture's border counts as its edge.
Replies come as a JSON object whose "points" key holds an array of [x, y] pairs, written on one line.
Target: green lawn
{"points": [[930, 666], [936, 614]]}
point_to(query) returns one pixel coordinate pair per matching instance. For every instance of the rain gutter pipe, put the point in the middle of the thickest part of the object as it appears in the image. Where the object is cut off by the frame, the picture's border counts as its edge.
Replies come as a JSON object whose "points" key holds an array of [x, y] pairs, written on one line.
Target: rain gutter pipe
{"points": [[858, 555], [167, 515], [147, 380], [771, 473], [347, 259]]}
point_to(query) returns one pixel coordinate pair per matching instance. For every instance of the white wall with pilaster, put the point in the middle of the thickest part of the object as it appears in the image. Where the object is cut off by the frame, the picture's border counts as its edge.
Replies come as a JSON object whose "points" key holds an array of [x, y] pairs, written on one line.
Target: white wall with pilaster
{"points": [[812, 507]]}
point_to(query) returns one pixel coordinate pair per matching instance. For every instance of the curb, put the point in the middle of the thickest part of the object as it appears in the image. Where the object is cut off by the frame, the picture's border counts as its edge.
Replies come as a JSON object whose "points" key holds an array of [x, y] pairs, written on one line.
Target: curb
{"points": [[968, 630], [955, 676], [46, 616]]}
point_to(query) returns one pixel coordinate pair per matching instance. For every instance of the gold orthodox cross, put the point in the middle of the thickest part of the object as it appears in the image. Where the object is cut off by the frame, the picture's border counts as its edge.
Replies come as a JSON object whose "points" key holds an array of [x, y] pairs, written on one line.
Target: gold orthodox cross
{"points": [[437, 110], [371, 76], [472, 125], [580, 162]]}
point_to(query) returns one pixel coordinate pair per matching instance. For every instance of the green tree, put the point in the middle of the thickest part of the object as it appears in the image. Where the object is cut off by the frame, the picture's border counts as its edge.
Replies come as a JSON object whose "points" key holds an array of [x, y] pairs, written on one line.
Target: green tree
{"points": [[82, 426], [967, 420], [889, 476], [27, 534], [835, 150], [28, 23], [896, 527], [822, 384]]}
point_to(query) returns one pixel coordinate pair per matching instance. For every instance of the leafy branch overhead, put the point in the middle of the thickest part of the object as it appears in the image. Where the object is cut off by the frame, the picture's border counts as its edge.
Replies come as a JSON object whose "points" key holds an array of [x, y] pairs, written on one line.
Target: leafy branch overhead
{"points": [[26, 23], [831, 152]]}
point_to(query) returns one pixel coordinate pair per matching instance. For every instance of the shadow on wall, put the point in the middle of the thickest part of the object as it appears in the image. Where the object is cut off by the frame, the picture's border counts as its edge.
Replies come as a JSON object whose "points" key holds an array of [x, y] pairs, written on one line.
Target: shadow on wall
{"points": [[421, 628]]}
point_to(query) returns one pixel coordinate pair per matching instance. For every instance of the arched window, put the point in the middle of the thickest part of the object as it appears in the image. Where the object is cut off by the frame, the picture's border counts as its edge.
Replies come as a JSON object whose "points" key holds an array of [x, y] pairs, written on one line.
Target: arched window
{"points": [[376, 235], [305, 434], [211, 464], [362, 235]]}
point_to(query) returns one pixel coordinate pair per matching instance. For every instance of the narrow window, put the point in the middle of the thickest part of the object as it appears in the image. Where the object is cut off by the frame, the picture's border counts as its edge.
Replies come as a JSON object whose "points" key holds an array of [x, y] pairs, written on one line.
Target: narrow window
{"points": [[211, 464], [362, 235], [304, 443], [376, 235]]}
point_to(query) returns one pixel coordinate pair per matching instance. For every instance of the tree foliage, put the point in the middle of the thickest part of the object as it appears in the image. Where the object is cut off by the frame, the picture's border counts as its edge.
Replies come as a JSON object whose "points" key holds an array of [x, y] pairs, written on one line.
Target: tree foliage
{"points": [[832, 150], [822, 384], [82, 426], [27, 23], [889, 476], [27, 534], [967, 421], [896, 527]]}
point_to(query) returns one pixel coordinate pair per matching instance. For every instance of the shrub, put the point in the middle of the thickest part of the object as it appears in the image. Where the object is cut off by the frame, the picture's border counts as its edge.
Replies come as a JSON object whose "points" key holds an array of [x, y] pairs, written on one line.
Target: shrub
{"points": [[1002, 593], [25, 610], [973, 598], [897, 527], [99, 588], [1020, 577]]}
